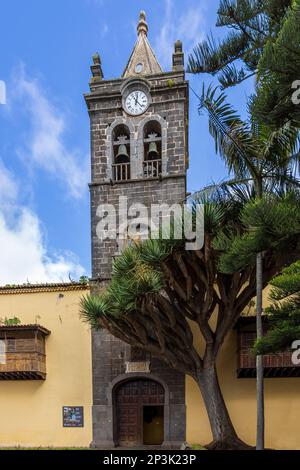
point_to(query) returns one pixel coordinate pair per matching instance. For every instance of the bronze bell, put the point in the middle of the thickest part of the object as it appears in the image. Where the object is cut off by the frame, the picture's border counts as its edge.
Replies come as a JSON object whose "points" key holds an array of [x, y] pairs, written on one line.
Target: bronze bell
{"points": [[122, 155], [152, 152]]}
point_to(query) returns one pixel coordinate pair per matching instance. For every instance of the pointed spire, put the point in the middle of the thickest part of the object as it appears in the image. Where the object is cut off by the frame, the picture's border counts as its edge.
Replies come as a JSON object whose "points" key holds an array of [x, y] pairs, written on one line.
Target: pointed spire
{"points": [[142, 27], [142, 60]]}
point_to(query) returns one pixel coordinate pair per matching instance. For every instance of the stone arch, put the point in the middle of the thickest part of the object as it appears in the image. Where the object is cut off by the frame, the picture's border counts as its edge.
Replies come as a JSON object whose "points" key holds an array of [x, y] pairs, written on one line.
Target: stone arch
{"points": [[137, 375], [128, 377], [140, 142], [109, 137]]}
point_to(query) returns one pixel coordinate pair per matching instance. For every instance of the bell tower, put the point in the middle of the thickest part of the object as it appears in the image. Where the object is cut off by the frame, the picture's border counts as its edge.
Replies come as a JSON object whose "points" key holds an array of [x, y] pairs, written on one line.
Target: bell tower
{"points": [[139, 149]]}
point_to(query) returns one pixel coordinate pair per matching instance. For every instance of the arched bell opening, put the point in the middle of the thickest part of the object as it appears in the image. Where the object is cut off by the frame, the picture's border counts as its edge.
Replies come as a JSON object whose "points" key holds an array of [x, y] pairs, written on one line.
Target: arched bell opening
{"points": [[152, 140], [121, 153]]}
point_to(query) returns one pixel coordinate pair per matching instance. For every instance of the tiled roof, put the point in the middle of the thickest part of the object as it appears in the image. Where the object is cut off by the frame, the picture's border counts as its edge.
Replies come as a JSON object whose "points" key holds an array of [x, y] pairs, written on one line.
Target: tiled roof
{"points": [[40, 328], [47, 287]]}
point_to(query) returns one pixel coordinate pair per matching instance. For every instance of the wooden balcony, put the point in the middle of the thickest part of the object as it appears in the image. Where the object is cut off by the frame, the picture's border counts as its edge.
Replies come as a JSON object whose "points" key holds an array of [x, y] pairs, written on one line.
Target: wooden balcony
{"points": [[275, 365], [22, 352], [152, 168]]}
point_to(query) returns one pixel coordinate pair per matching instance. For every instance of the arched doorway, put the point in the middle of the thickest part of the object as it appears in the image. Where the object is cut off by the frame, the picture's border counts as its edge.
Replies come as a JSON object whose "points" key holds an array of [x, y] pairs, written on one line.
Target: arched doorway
{"points": [[139, 412]]}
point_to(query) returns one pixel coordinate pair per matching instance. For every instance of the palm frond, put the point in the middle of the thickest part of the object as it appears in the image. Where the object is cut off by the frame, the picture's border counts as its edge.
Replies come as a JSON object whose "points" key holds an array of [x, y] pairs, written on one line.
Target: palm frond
{"points": [[211, 56], [232, 136], [93, 307], [231, 76]]}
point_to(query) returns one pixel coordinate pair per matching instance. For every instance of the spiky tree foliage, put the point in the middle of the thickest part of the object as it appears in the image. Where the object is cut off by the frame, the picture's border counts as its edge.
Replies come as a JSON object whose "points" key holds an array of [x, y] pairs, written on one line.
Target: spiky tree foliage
{"points": [[161, 296], [284, 312], [271, 221], [253, 23], [277, 98]]}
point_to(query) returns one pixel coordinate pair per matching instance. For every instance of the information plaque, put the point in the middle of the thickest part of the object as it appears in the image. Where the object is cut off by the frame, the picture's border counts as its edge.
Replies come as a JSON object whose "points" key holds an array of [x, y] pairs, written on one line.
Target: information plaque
{"points": [[73, 417]]}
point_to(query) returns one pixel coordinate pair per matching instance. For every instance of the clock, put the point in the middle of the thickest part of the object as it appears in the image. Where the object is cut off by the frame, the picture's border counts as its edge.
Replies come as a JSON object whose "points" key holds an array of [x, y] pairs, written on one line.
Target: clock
{"points": [[136, 102]]}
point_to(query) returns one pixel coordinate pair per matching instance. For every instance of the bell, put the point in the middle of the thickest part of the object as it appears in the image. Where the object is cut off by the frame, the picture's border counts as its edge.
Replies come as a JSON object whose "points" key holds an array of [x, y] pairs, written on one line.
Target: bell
{"points": [[153, 152], [122, 155]]}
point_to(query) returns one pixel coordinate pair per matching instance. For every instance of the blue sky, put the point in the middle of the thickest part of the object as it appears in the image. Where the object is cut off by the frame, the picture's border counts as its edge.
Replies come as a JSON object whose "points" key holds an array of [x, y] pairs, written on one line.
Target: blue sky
{"points": [[45, 54]]}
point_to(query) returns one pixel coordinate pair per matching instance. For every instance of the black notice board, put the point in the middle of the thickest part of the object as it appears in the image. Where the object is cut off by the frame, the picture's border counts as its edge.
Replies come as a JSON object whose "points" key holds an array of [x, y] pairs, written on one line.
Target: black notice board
{"points": [[73, 417]]}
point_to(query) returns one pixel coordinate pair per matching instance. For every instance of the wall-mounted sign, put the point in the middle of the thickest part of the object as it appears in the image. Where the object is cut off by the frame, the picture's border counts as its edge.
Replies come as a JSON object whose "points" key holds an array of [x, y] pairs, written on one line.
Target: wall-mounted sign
{"points": [[138, 367], [73, 416]]}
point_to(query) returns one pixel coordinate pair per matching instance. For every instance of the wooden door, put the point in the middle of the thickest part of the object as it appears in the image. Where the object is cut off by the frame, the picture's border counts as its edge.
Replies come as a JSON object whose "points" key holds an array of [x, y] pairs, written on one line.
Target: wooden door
{"points": [[130, 397], [128, 415], [129, 425]]}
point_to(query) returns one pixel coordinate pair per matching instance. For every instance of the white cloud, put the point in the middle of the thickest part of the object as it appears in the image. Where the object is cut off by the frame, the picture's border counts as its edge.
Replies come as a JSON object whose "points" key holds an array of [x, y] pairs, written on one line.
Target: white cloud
{"points": [[23, 256], [23, 252], [8, 186], [188, 27], [45, 147]]}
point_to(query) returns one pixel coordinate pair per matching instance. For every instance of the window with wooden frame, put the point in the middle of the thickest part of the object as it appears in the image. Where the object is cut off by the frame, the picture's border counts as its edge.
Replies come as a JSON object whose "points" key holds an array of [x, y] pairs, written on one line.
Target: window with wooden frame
{"points": [[22, 352], [275, 365]]}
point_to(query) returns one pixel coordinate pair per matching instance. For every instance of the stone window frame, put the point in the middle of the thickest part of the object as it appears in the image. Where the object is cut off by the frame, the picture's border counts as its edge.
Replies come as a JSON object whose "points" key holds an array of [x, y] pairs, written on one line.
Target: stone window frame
{"points": [[137, 145], [164, 143]]}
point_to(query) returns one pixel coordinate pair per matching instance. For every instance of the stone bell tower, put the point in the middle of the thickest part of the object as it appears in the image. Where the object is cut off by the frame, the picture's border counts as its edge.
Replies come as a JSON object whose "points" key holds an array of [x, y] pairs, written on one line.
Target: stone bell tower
{"points": [[139, 149]]}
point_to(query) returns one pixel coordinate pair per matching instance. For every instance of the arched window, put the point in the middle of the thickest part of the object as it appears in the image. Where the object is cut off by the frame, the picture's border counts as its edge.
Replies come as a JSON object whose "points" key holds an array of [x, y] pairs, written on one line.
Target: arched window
{"points": [[152, 149], [121, 153]]}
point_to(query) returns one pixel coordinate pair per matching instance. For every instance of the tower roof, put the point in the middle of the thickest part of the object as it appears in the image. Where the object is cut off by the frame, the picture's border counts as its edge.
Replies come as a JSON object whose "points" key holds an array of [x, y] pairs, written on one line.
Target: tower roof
{"points": [[142, 60]]}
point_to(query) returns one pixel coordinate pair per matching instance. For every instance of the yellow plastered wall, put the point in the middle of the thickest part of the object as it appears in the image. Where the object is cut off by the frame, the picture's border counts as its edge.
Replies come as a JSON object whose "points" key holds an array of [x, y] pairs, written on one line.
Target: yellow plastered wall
{"points": [[282, 403], [31, 411]]}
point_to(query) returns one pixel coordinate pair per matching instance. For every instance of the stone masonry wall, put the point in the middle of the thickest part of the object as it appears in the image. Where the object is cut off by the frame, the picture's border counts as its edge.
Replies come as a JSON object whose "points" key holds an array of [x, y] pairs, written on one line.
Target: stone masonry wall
{"points": [[148, 192], [169, 94]]}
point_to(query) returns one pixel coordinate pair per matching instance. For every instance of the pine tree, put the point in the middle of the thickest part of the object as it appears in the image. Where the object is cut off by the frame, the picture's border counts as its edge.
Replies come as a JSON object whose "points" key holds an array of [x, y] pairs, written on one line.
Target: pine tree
{"points": [[253, 152], [265, 42], [264, 36], [277, 98], [284, 313], [253, 23]]}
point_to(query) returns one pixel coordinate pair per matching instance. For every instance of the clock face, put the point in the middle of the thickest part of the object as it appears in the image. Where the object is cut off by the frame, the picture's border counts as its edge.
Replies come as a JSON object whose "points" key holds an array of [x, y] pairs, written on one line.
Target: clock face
{"points": [[136, 102]]}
